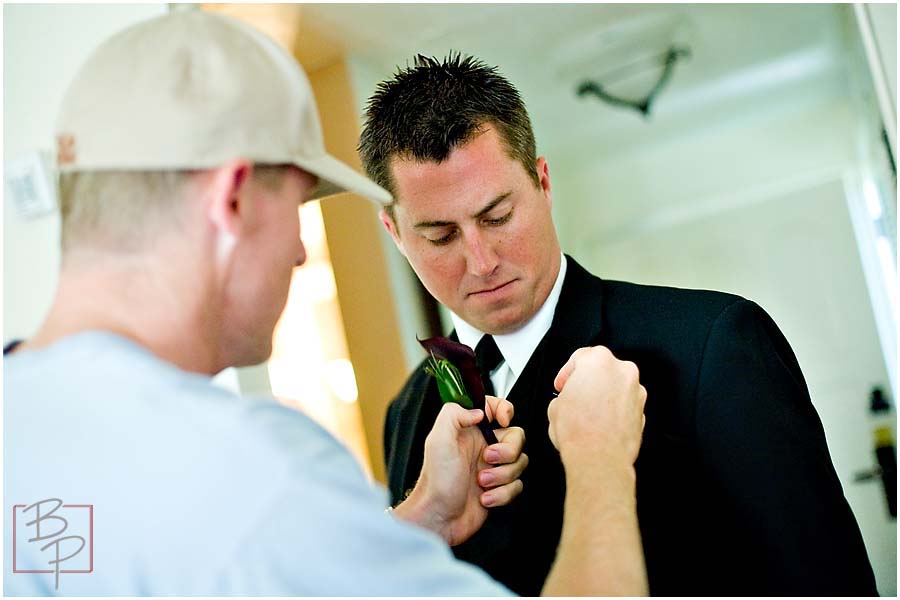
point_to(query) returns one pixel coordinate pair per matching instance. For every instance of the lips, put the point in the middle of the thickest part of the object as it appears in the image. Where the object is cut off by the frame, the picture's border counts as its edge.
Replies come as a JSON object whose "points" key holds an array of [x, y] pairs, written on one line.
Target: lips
{"points": [[488, 291]]}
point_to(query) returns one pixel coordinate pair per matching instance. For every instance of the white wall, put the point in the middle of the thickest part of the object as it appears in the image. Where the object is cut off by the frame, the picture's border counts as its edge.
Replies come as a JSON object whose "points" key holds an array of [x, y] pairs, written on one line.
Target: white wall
{"points": [[601, 195], [43, 45]]}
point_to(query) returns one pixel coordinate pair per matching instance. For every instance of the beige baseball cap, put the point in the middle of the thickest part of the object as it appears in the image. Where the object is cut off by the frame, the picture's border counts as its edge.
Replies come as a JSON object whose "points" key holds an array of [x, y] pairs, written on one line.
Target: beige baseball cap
{"points": [[191, 90]]}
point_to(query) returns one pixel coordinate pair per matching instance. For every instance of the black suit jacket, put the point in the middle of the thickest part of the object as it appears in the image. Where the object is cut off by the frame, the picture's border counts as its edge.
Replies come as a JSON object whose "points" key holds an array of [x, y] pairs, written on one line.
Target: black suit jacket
{"points": [[736, 491]]}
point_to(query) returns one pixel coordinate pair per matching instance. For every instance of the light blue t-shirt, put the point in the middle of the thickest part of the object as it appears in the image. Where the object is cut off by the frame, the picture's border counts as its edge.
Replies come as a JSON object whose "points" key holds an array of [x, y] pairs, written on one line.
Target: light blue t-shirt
{"points": [[177, 487]]}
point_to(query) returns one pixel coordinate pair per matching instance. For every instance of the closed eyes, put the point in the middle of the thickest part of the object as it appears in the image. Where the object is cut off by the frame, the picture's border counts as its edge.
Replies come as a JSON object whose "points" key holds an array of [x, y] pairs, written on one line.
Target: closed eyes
{"points": [[454, 233]]}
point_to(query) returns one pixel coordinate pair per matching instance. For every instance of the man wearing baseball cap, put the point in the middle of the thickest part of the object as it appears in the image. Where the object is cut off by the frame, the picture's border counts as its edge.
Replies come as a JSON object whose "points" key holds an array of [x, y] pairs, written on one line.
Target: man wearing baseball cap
{"points": [[185, 144]]}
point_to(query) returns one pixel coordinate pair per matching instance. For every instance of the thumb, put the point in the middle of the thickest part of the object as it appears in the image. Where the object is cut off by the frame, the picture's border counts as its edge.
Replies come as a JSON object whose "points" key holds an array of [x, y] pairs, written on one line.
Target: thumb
{"points": [[468, 418], [563, 376], [455, 417], [560, 381]]}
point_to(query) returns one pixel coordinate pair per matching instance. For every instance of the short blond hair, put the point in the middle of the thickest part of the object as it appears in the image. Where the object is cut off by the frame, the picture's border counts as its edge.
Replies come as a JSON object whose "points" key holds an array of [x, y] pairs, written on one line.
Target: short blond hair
{"points": [[124, 209]]}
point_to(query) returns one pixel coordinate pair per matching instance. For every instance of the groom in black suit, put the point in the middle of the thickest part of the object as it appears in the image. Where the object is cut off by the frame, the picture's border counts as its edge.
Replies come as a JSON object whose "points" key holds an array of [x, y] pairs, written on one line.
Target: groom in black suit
{"points": [[736, 491]]}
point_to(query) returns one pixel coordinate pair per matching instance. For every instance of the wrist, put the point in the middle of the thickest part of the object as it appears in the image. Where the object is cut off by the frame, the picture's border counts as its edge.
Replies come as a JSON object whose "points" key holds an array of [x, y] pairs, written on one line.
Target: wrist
{"points": [[587, 456], [613, 473], [420, 509]]}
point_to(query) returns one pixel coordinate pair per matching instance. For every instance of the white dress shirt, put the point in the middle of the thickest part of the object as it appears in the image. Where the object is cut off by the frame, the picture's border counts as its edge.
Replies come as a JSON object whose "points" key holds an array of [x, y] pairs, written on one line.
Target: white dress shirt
{"points": [[516, 347]]}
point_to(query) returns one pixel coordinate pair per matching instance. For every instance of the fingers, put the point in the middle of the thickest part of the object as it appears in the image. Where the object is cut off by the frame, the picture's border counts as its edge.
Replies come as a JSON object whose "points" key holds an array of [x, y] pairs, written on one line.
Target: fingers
{"points": [[508, 448], [503, 474], [499, 409], [502, 480], [501, 496]]}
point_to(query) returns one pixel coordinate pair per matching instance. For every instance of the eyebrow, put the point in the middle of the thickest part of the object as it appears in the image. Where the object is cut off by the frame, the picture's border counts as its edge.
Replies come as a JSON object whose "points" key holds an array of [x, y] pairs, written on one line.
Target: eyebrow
{"points": [[493, 204]]}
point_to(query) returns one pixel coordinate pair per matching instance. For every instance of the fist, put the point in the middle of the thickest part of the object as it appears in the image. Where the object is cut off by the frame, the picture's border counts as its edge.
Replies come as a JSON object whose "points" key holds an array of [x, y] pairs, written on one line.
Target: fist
{"points": [[600, 407]]}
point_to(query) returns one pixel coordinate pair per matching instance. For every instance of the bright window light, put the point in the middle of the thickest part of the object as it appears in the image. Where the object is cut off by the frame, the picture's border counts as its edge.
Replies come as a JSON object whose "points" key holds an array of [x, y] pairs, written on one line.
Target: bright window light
{"points": [[873, 201], [888, 269], [341, 379], [310, 367]]}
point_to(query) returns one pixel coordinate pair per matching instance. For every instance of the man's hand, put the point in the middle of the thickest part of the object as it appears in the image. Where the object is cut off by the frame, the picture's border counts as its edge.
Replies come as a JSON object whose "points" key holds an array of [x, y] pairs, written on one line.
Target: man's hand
{"points": [[600, 409], [461, 476], [596, 424]]}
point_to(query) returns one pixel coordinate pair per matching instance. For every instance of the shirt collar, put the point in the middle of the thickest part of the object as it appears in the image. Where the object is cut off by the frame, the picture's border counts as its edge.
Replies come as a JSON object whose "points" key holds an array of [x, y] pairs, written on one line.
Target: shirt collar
{"points": [[517, 347]]}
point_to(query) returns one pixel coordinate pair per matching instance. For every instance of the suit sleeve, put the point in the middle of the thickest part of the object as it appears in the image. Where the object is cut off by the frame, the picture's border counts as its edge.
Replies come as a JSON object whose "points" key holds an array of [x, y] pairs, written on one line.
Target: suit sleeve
{"points": [[762, 442]]}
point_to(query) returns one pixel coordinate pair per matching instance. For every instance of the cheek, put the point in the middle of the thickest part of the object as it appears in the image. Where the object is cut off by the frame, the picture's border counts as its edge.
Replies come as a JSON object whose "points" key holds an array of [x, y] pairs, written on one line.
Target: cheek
{"points": [[439, 269], [527, 244], [290, 238], [514, 244]]}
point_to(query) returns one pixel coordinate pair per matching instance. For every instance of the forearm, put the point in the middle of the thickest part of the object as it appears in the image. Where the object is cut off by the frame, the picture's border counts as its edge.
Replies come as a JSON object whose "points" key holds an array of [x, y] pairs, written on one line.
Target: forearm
{"points": [[600, 551]]}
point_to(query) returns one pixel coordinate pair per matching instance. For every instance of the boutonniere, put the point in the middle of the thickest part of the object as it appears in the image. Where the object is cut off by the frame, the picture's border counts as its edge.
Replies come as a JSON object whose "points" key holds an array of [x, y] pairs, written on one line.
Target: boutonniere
{"points": [[458, 379]]}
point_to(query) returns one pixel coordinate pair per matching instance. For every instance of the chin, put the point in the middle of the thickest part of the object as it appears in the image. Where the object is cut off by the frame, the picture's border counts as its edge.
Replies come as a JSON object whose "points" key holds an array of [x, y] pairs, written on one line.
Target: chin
{"points": [[504, 329], [502, 326], [250, 357]]}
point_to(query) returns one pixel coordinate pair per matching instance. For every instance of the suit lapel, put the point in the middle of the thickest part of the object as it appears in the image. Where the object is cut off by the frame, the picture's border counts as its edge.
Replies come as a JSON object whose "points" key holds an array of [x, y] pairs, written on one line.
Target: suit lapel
{"points": [[577, 322]]}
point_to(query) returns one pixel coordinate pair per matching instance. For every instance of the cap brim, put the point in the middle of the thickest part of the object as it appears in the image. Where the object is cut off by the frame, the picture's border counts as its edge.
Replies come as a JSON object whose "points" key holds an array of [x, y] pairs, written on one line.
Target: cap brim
{"points": [[336, 177]]}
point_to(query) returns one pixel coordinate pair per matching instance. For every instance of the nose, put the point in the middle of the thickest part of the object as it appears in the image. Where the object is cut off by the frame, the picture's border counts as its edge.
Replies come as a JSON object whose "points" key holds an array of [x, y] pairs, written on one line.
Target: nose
{"points": [[481, 260], [301, 256]]}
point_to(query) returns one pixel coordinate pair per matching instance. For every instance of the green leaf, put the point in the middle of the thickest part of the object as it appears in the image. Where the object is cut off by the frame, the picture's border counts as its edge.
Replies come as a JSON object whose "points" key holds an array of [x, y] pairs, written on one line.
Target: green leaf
{"points": [[449, 382]]}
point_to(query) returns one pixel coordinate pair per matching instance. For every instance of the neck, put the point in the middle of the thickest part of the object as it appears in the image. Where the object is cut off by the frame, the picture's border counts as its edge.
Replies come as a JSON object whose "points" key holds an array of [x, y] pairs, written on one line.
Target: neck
{"points": [[151, 300]]}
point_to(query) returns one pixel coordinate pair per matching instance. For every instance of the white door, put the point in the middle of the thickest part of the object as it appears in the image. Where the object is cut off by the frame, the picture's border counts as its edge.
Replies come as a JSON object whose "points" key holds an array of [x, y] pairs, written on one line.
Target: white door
{"points": [[796, 256]]}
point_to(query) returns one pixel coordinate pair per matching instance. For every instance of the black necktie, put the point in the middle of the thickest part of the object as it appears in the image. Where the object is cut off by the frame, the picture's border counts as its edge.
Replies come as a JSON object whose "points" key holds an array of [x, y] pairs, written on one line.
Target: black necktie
{"points": [[487, 357]]}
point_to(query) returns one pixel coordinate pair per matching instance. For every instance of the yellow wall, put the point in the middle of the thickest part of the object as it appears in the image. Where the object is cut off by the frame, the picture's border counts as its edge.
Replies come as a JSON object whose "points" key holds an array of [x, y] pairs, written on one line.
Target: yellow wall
{"points": [[360, 267]]}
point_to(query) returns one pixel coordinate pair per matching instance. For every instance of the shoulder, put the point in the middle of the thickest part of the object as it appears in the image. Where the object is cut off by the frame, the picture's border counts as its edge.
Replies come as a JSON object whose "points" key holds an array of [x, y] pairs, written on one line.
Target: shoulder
{"points": [[293, 435], [670, 332], [656, 312], [664, 300], [642, 307]]}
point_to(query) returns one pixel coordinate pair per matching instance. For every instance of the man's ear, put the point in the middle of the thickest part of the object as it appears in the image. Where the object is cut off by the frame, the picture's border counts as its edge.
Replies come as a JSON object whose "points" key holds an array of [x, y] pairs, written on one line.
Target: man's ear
{"points": [[391, 227], [228, 205], [543, 171]]}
